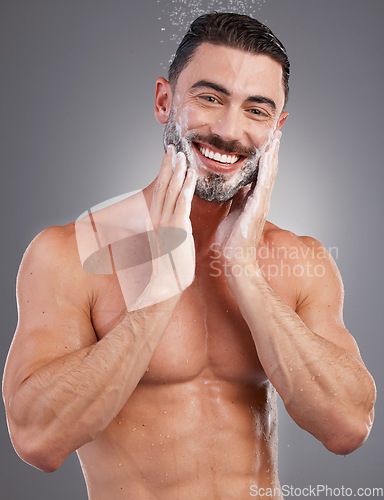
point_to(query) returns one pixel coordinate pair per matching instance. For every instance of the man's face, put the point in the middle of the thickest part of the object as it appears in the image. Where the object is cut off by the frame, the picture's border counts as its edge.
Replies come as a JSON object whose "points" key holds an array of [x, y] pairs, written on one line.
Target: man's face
{"points": [[225, 108]]}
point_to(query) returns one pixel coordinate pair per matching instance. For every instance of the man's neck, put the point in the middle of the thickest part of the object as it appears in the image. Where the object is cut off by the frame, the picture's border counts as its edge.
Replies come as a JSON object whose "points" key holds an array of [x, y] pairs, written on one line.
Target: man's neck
{"points": [[206, 217]]}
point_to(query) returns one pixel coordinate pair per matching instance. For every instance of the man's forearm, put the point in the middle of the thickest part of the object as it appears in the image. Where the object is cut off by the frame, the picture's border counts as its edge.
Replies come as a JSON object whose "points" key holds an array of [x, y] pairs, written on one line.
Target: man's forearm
{"points": [[69, 401], [325, 389]]}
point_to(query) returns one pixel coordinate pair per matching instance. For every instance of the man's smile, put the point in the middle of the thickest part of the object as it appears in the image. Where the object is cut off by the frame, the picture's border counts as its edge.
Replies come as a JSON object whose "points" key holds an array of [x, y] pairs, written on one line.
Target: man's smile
{"points": [[223, 167], [212, 158]]}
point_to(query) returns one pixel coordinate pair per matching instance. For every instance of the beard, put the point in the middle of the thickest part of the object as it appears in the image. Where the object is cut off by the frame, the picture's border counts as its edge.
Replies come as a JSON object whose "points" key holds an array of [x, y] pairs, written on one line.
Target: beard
{"points": [[213, 186]]}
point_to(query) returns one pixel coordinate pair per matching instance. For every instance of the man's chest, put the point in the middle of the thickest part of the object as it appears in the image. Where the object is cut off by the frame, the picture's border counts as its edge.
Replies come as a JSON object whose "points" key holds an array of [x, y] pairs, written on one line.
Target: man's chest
{"points": [[207, 333]]}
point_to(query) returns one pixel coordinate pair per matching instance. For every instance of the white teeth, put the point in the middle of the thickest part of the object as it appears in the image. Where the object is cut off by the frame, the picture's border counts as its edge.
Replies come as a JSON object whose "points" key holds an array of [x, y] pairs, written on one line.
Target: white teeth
{"points": [[229, 159]]}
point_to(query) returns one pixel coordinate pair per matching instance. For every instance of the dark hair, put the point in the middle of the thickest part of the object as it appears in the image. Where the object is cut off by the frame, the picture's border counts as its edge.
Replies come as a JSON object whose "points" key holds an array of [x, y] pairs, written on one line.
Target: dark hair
{"points": [[233, 30]]}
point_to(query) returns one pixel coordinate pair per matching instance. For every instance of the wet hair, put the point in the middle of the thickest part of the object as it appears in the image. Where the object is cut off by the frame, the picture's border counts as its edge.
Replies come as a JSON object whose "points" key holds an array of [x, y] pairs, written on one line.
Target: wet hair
{"points": [[231, 30]]}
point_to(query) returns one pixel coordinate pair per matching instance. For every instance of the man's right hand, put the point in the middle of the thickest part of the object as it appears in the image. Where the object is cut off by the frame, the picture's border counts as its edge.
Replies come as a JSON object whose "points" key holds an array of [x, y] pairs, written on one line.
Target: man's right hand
{"points": [[169, 231]]}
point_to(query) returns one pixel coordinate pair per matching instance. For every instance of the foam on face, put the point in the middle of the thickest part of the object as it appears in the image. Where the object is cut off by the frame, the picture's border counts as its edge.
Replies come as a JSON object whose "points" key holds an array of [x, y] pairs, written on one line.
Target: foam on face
{"points": [[211, 186], [263, 180]]}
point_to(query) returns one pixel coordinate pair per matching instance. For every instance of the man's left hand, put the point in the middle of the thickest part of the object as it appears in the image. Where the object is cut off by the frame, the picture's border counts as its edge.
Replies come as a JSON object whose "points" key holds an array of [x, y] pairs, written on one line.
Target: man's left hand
{"points": [[240, 232]]}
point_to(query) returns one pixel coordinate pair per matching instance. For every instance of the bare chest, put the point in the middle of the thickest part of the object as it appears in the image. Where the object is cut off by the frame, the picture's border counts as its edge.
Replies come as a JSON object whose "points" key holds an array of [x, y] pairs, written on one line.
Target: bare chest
{"points": [[206, 336]]}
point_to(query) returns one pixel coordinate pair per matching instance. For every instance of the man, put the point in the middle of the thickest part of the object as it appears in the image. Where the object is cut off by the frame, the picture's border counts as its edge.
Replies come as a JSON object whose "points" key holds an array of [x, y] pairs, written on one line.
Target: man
{"points": [[154, 333]]}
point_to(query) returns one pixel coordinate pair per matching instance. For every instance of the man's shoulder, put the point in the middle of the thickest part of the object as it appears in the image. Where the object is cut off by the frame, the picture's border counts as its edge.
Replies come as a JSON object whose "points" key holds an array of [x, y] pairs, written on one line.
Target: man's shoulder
{"points": [[302, 261], [291, 246], [50, 248], [54, 239]]}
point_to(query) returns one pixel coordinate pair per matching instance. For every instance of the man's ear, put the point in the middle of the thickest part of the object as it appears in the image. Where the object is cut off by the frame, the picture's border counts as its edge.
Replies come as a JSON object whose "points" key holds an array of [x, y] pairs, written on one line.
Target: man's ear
{"points": [[163, 100], [282, 119]]}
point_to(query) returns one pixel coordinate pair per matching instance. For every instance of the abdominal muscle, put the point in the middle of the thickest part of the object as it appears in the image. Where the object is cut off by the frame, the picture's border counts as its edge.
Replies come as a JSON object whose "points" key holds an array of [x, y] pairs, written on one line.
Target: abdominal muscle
{"points": [[201, 423], [201, 439]]}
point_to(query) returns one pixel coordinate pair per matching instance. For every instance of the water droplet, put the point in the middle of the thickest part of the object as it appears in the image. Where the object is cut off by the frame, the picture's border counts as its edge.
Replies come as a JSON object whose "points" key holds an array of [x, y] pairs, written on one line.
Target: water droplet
{"points": [[177, 15]]}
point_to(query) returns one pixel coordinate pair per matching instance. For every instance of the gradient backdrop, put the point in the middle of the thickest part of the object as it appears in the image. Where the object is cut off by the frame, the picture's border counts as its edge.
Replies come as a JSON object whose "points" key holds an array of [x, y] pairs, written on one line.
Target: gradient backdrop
{"points": [[77, 127]]}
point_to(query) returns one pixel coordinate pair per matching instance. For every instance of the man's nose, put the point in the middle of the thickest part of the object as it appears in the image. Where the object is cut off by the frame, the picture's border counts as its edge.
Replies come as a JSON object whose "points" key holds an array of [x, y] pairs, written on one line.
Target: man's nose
{"points": [[228, 125]]}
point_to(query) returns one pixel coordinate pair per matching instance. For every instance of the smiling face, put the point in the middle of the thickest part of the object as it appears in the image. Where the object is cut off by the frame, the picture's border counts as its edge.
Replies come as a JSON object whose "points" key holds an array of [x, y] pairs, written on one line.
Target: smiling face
{"points": [[226, 105]]}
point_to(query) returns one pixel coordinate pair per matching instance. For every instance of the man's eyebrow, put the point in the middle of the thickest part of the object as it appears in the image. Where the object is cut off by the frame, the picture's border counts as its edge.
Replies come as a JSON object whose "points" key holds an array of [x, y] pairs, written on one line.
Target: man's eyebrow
{"points": [[211, 85], [252, 98], [262, 100]]}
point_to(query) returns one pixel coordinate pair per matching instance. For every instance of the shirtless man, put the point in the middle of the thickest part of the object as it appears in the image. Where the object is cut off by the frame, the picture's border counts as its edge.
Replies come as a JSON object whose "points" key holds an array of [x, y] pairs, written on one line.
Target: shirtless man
{"points": [[171, 392]]}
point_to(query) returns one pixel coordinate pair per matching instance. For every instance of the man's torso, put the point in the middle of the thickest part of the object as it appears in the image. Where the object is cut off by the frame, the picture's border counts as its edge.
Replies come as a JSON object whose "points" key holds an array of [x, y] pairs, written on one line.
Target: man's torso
{"points": [[202, 421]]}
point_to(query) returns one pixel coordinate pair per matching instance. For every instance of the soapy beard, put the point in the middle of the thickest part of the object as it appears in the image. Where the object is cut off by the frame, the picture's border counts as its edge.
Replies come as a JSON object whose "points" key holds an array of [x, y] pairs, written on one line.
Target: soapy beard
{"points": [[212, 186]]}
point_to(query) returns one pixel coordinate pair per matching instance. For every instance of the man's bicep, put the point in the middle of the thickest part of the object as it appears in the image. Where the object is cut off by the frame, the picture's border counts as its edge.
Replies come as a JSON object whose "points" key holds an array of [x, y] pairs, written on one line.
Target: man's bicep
{"points": [[322, 301], [54, 317]]}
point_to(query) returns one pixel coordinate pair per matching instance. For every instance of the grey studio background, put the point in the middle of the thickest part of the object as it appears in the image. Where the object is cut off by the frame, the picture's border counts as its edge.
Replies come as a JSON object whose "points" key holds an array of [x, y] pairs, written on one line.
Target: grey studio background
{"points": [[77, 127]]}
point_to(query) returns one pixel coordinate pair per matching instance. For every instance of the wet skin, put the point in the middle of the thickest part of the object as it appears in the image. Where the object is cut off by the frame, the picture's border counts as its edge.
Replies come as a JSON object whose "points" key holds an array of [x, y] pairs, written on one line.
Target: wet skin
{"points": [[202, 421], [176, 400]]}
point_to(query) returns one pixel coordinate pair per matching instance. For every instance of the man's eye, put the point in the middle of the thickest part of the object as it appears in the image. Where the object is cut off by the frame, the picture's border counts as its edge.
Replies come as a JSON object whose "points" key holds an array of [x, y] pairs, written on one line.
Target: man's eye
{"points": [[257, 112], [209, 98]]}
